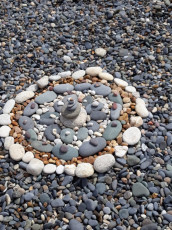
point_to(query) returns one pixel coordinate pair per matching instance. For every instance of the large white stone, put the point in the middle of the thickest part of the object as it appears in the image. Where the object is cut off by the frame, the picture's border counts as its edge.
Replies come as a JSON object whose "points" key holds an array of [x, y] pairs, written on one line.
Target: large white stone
{"points": [[70, 169], [28, 156], [60, 169], [24, 96], [16, 152], [136, 121], [132, 136], [33, 88], [84, 170], [106, 76], [5, 119], [120, 82], [42, 82], [140, 108], [93, 71], [49, 168], [65, 74], [100, 52], [54, 77], [8, 142], [130, 89], [120, 151], [5, 131], [35, 167], [9, 105], [104, 163], [78, 74]]}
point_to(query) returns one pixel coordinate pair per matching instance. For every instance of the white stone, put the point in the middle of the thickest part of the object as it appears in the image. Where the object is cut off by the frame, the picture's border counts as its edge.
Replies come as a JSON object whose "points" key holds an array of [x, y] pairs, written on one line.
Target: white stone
{"points": [[5, 131], [32, 88], [57, 141], [78, 74], [39, 111], [49, 168], [104, 163], [70, 169], [100, 52], [93, 71], [24, 96], [136, 121], [9, 105], [132, 135], [54, 77], [8, 142], [60, 103], [140, 108], [106, 76], [136, 94], [35, 167], [65, 74], [67, 59], [120, 151], [84, 170], [120, 82], [16, 152], [60, 169], [5, 119], [28, 156], [42, 82], [130, 89]]}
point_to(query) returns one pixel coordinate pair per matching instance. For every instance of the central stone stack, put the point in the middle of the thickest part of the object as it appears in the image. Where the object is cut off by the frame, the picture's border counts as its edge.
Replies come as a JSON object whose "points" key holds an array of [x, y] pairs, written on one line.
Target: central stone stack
{"points": [[72, 114]]}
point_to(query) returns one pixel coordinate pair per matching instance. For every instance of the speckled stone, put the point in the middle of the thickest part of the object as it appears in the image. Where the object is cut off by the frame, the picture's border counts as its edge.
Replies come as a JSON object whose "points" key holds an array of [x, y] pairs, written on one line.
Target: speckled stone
{"points": [[26, 123], [45, 97], [112, 131], [82, 133], [66, 155]]}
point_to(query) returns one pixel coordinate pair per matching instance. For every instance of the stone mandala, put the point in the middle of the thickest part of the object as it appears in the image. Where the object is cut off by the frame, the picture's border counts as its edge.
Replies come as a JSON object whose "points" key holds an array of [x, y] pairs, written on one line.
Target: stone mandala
{"points": [[74, 122]]}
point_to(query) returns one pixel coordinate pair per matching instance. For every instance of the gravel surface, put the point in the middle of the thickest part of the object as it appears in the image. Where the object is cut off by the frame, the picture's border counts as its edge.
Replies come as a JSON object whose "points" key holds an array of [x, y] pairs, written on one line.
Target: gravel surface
{"points": [[131, 40]]}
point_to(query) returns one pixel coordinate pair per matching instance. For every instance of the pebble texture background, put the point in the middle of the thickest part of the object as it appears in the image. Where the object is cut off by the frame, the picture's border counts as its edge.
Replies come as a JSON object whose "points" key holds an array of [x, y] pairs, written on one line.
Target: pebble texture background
{"points": [[131, 41]]}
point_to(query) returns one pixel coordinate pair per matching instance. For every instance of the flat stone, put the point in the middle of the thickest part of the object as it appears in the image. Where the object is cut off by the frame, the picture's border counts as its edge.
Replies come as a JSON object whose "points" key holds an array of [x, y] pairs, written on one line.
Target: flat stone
{"points": [[32, 88], [9, 105], [75, 122], [100, 52], [30, 109], [151, 226], [47, 119], [40, 146], [82, 87], [101, 188], [88, 149], [66, 135], [58, 107], [87, 100], [103, 163], [112, 130], [71, 152], [139, 190], [84, 170], [35, 167], [140, 108], [130, 89], [28, 156], [30, 135], [106, 76], [54, 77], [26, 123], [78, 74], [120, 151], [98, 115], [101, 89], [5, 119], [75, 225], [8, 142], [120, 82], [16, 152], [45, 97], [93, 125], [82, 133], [62, 88], [93, 71], [65, 74], [44, 198], [49, 132], [24, 96], [132, 160], [49, 168], [71, 114], [91, 107], [115, 111], [115, 98], [123, 214], [132, 136], [42, 82], [70, 169], [5, 131]]}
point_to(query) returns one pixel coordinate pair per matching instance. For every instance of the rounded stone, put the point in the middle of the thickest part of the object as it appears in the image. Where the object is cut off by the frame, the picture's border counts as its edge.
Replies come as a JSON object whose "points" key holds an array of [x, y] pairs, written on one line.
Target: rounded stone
{"points": [[28, 156], [24, 96], [93, 71], [100, 52], [132, 136], [5, 131], [26, 123], [45, 97], [75, 225], [66, 155], [5, 119], [67, 135], [60, 169], [42, 82], [140, 108], [84, 170], [82, 133], [16, 152], [112, 130], [106, 76], [120, 151], [120, 82], [30, 109], [9, 105], [78, 74], [104, 163], [70, 169], [62, 88], [49, 168], [35, 167], [130, 89], [8, 142]]}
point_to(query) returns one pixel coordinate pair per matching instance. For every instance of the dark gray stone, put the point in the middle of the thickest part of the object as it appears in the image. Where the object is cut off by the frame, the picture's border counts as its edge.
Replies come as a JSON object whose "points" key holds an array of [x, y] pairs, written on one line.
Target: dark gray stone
{"points": [[26, 123], [71, 152], [30, 109]]}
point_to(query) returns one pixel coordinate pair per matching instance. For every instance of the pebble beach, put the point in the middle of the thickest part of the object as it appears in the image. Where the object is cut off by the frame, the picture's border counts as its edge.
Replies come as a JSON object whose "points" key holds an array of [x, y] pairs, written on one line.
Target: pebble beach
{"points": [[85, 115]]}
